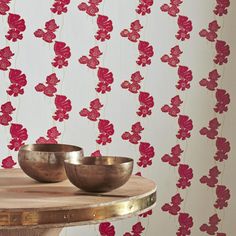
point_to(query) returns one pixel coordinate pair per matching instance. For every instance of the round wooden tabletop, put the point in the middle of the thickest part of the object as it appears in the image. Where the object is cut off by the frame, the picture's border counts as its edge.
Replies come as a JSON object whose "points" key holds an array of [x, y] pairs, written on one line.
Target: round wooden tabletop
{"points": [[26, 203]]}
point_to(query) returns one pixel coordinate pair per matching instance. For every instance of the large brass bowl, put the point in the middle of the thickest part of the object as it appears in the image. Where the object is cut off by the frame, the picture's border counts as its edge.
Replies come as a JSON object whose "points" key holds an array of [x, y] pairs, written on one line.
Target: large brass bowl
{"points": [[45, 162], [99, 174]]}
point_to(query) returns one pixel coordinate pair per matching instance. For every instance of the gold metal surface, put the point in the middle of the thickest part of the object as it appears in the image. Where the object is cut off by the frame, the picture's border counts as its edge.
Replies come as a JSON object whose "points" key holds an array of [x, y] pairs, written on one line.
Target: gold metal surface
{"points": [[99, 174], [60, 218], [45, 162]]}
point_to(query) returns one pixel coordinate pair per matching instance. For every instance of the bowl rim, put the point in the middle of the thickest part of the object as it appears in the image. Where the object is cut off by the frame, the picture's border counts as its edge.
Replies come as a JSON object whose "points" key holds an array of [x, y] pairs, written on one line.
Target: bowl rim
{"points": [[128, 160], [24, 147]]}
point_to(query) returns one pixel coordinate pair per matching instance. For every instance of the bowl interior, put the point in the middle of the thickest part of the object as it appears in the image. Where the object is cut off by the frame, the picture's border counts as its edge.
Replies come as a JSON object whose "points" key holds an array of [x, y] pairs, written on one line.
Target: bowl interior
{"points": [[99, 161], [50, 148]]}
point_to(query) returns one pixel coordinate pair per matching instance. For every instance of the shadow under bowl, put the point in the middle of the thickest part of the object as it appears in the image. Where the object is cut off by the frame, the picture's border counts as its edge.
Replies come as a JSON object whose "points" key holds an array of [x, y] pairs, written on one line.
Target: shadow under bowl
{"points": [[99, 174], [45, 162]]}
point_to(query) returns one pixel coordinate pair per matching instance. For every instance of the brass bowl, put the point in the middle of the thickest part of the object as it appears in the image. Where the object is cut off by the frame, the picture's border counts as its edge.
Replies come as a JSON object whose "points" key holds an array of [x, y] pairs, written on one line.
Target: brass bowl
{"points": [[45, 162], [99, 174]]}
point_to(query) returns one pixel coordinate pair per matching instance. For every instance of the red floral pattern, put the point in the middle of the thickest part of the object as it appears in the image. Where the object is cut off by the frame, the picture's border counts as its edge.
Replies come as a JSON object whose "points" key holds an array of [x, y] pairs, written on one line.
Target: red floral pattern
{"points": [[106, 229], [137, 230], [186, 223], [5, 56], [92, 114], [6, 111], [62, 55], [106, 130], [212, 180], [132, 34], [63, 105], [92, 61], [223, 195], [60, 6], [49, 34], [146, 103], [49, 89], [223, 148], [144, 7], [173, 8], [174, 158], [146, 52], [134, 84], [211, 228], [211, 132], [221, 7], [173, 110], [4, 7], [186, 174], [16, 27], [211, 33], [18, 82], [52, 136], [185, 27], [105, 78], [105, 27], [223, 99], [222, 52], [185, 126], [185, 77], [211, 83], [134, 137], [174, 207], [19, 135], [146, 154], [8, 163], [173, 59], [92, 8]]}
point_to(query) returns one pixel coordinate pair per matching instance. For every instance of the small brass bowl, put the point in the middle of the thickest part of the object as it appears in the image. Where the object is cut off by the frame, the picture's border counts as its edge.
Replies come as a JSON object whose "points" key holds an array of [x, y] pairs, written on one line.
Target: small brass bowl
{"points": [[45, 162], [99, 174]]}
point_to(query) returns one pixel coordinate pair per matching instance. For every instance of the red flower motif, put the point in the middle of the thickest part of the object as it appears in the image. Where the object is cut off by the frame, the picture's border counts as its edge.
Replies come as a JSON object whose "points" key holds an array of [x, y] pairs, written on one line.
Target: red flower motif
{"points": [[146, 52], [62, 54], [210, 35], [144, 7], [14, 35], [185, 27], [4, 8], [60, 6], [60, 62], [137, 228], [223, 147], [173, 8], [212, 180], [173, 59], [223, 99], [92, 61], [8, 163], [173, 110], [174, 158], [106, 229], [133, 137], [91, 9], [146, 102], [93, 114], [52, 135], [106, 130], [133, 34], [146, 214], [186, 174], [174, 207], [222, 52], [6, 53], [223, 195], [144, 161], [211, 132], [185, 125], [15, 144], [60, 115], [211, 82], [97, 153], [105, 27], [5, 119], [221, 7], [186, 223], [212, 227], [105, 79], [7, 108], [18, 132], [4, 64], [15, 90]]}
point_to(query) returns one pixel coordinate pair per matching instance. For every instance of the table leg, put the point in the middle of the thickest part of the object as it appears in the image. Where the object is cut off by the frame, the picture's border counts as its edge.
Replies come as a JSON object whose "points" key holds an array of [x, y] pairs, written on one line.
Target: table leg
{"points": [[31, 232]]}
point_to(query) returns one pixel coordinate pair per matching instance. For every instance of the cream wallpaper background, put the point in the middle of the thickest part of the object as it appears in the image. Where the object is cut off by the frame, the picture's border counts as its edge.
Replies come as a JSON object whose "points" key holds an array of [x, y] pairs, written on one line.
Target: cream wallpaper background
{"points": [[34, 110]]}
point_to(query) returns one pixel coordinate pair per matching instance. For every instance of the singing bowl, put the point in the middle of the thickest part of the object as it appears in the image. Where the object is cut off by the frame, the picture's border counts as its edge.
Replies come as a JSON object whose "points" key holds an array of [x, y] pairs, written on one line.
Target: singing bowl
{"points": [[99, 174], [45, 162]]}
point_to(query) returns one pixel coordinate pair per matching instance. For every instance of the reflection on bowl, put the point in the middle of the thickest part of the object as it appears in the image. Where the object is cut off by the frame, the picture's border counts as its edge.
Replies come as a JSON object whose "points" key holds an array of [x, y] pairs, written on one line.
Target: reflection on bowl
{"points": [[99, 174], [45, 162]]}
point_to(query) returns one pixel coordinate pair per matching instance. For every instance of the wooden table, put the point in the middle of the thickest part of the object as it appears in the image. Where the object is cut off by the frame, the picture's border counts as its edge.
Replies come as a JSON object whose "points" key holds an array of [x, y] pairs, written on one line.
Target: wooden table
{"points": [[29, 208]]}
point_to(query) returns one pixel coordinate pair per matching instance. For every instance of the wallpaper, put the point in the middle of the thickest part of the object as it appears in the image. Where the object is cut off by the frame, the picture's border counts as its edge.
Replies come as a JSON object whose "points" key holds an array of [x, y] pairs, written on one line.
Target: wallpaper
{"points": [[153, 80]]}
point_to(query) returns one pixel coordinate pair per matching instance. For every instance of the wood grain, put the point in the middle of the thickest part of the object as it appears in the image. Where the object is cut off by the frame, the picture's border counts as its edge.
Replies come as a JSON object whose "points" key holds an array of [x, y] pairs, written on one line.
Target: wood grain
{"points": [[26, 203]]}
